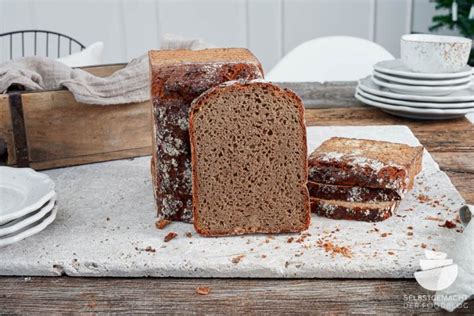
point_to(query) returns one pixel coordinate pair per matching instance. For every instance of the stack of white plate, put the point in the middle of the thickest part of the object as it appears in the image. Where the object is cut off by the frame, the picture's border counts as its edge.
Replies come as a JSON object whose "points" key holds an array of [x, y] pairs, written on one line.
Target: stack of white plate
{"points": [[399, 91], [27, 200]]}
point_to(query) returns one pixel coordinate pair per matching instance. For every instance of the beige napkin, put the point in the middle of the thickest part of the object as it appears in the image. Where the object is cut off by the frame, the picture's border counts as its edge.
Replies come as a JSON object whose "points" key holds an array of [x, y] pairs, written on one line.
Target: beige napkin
{"points": [[130, 84]]}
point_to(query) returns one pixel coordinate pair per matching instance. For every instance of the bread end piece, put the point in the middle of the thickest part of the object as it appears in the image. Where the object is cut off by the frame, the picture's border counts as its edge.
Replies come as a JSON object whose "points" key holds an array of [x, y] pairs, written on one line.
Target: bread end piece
{"points": [[365, 163], [367, 212]]}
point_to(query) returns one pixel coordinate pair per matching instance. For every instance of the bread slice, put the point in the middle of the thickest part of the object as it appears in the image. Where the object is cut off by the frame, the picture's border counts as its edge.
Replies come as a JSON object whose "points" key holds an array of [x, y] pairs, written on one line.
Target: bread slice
{"points": [[351, 194], [365, 163], [177, 78], [249, 160], [359, 211]]}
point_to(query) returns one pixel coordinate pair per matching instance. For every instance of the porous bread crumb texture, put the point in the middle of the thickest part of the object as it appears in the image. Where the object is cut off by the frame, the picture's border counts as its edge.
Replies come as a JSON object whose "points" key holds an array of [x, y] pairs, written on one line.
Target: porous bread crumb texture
{"points": [[351, 194], [365, 163], [177, 78], [368, 212], [249, 160]]}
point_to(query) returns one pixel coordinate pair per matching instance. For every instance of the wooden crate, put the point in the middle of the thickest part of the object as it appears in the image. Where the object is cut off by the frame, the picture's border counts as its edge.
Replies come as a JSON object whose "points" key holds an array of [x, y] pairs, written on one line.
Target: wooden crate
{"points": [[54, 130]]}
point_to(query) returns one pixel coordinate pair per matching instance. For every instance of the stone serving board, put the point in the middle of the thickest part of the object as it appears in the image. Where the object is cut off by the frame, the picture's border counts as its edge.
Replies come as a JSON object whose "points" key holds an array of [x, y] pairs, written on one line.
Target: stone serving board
{"points": [[106, 227]]}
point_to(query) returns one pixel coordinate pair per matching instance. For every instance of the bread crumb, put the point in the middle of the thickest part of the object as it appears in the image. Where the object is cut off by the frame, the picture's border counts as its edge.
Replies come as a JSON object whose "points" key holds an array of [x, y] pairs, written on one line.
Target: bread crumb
{"points": [[290, 239], [423, 198], [189, 234], [410, 233], [448, 224], [391, 253], [162, 223], [264, 256], [333, 249], [384, 235], [434, 218], [203, 290], [150, 249], [423, 245], [237, 259], [170, 236]]}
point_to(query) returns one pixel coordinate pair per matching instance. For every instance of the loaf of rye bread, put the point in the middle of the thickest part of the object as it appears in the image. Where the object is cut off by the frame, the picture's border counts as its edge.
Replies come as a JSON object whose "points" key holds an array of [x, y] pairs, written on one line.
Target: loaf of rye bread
{"points": [[177, 78], [359, 211], [249, 159], [365, 163], [351, 194]]}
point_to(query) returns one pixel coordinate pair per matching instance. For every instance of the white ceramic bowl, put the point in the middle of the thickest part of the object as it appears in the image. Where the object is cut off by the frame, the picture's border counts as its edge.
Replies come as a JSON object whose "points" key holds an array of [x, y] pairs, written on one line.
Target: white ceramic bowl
{"points": [[427, 53]]}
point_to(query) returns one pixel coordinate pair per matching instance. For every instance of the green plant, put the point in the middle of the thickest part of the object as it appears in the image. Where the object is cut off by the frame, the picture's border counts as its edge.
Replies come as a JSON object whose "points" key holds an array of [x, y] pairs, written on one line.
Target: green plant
{"points": [[464, 23]]}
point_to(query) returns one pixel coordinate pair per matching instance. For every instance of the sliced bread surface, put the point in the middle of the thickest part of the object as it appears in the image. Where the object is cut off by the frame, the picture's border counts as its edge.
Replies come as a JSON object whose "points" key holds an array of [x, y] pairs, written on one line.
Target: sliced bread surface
{"points": [[249, 166], [351, 194], [365, 163], [359, 211]]}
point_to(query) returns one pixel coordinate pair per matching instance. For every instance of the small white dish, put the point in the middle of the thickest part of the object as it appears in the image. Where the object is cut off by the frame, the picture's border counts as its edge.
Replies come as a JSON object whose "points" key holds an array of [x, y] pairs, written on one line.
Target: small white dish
{"points": [[417, 104], [428, 53], [423, 82], [397, 67], [22, 190], [466, 95], [29, 230], [420, 90], [414, 113], [28, 219]]}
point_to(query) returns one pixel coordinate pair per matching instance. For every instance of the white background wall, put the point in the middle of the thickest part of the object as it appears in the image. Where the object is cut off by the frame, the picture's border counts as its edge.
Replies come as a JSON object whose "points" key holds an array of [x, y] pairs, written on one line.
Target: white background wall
{"points": [[270, 28]]}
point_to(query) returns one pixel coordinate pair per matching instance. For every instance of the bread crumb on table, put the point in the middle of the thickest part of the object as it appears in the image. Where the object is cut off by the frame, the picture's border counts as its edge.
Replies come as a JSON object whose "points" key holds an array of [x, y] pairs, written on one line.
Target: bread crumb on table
{"points": [[189, 234], [333, 249], [203, 290], [237, 259], [162, 223], [448, 224], [150, 249], [434, 218], [170, 236]]}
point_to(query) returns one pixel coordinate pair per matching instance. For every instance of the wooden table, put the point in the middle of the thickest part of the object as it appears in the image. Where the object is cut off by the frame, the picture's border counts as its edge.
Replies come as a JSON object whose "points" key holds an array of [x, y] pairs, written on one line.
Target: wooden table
{"points": [[451, 144]]}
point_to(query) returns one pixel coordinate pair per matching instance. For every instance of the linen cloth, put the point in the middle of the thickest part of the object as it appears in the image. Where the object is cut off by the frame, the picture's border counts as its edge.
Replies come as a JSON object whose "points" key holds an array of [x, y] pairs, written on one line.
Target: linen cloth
{"points": [[127, 85]]}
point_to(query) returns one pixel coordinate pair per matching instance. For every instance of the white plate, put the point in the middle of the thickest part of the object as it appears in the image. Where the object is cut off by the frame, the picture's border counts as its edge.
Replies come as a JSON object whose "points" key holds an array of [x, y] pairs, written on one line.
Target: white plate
{"points": [[419, 90], [423, 82], [22, 190], [26, 220], [29, 230], [417, 104], [396, 67], [415, 113], [368, 85]]}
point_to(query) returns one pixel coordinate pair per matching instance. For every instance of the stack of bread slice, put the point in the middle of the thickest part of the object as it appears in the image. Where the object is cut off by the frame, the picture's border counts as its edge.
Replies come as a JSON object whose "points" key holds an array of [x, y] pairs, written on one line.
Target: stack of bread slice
{"points": [[361, 179]]}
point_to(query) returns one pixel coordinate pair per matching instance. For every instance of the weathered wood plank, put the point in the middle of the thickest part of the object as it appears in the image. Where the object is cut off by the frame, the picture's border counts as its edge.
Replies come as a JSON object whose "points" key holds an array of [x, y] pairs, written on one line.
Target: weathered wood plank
{"points": [[60, 128], [103, 70], [243, 296], [444, 136], [324, 95], [6, 130]]}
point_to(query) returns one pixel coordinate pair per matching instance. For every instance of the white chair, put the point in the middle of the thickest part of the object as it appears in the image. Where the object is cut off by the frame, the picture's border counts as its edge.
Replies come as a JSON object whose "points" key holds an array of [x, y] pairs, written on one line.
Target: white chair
{"points": [[334, 58]]}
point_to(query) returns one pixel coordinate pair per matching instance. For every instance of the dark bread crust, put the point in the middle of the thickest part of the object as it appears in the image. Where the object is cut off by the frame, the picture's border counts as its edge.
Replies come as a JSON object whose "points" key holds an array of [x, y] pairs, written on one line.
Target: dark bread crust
{"points": [[350, 169], [351, 194], [353, 211], [196, 106], [175, 81]]}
